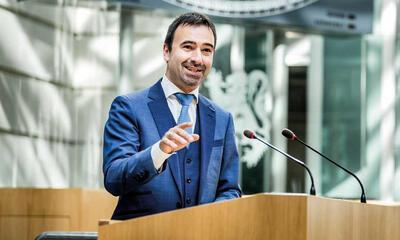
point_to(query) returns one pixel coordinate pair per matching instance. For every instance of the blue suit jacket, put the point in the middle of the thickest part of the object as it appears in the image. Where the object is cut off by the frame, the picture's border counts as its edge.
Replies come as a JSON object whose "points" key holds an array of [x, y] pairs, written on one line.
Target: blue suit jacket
{"points": [[137, 121]]}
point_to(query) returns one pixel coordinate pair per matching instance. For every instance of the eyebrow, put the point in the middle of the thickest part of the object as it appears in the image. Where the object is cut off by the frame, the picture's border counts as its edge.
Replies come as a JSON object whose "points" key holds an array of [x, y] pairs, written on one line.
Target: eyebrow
{"points": [[192, 42]]}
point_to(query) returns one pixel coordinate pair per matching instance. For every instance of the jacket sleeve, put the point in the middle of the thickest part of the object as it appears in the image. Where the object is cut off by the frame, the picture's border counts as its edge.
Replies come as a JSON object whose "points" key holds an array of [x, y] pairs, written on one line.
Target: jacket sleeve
{"points": [[125, 164], [228, 184]]}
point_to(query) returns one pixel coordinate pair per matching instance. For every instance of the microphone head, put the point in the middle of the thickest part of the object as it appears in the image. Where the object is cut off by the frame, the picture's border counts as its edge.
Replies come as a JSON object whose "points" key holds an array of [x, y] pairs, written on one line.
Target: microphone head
{"points": [[288, 134], [249, 134]]}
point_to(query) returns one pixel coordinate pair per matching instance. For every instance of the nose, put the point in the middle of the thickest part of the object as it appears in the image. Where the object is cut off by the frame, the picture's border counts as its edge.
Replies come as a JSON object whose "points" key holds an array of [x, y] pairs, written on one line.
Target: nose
{"points": [[197, 56]]}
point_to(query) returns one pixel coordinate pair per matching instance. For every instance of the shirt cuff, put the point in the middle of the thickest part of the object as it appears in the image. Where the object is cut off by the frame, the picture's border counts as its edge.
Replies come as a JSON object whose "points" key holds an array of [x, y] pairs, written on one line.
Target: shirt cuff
{"points": [[158, 156]]}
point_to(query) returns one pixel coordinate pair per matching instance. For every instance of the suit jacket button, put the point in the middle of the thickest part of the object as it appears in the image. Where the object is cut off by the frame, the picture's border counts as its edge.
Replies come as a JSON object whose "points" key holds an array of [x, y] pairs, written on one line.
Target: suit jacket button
{"points": [[145, 174], [188, 201], [137, 177], [188, 180], [178, 205], [188, 160]]}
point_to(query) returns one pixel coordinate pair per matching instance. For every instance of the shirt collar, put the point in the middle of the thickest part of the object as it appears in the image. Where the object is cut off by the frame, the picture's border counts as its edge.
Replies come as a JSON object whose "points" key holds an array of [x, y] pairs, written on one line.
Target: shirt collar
{"points": [[170, 88]]}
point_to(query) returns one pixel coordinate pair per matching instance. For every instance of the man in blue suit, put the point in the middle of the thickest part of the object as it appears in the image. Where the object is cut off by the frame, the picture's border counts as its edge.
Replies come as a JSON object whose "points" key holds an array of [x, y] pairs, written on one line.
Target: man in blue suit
{"points": [[169, 147]]}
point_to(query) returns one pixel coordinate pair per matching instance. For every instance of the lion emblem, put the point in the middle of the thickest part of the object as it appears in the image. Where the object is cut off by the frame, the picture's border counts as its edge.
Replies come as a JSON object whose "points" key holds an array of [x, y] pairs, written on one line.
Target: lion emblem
{"points": [[249, 98]]}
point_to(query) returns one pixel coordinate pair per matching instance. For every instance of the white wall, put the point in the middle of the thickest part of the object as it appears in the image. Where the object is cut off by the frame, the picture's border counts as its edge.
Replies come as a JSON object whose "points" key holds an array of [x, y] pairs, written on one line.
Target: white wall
{"points": [[58, 76]]}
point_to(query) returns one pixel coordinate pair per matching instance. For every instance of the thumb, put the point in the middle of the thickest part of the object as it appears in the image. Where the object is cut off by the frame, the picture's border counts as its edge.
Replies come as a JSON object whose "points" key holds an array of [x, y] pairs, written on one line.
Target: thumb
{"points": [[196, 137]]}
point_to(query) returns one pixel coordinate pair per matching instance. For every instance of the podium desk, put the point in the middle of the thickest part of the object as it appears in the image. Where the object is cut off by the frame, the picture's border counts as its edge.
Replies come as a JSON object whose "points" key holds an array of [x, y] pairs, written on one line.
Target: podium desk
{"points": [[266, 216]]}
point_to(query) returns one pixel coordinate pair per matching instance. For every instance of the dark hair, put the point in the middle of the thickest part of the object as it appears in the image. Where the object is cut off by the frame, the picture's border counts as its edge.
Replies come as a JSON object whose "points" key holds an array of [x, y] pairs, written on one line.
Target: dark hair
{"points": [[190, 19]]}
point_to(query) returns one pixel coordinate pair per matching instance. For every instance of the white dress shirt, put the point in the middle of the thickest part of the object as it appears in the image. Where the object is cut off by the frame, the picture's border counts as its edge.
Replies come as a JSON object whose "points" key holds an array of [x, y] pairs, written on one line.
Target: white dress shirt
{"points": [[175, 107]]}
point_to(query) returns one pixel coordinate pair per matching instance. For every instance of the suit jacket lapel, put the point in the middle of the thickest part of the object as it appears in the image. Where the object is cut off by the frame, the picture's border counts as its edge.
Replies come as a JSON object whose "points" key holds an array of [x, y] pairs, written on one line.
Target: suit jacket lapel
{"points": [[164, 121], [207, 129]]}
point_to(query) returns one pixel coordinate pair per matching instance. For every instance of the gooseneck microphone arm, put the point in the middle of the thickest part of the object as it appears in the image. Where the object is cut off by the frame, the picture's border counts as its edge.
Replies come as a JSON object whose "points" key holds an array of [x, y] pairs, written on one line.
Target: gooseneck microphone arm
{"points": [[291, 136], [252, 135]]}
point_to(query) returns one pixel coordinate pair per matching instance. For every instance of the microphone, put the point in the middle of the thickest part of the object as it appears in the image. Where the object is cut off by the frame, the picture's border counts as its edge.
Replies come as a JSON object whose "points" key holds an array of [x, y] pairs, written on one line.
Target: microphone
{"points": [[291, 136], [252, 135]]}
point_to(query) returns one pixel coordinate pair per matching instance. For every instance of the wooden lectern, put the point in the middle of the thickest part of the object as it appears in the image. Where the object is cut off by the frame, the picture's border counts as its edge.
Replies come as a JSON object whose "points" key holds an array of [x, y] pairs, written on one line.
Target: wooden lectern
{"points": [[266, 216]]}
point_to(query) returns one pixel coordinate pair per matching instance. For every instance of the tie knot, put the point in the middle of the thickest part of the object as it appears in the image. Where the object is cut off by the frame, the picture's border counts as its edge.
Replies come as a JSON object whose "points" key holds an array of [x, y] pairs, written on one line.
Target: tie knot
{"points": [[184, 99]]}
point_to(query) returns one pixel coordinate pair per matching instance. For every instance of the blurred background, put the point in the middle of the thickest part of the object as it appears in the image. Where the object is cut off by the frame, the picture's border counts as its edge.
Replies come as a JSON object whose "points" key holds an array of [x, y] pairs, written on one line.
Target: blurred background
{"points": [[327, 69]]}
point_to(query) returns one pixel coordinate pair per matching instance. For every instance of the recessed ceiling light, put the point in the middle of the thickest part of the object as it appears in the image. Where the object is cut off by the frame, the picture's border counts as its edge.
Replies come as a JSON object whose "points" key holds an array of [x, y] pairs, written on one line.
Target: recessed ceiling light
{"points": [[243, 8]]}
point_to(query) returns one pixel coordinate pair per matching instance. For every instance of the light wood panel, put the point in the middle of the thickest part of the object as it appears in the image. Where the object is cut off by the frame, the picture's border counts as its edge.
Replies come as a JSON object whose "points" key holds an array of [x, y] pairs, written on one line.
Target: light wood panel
{"points": [[333, 219], [25, 213], [254, 217], [266, 216]]}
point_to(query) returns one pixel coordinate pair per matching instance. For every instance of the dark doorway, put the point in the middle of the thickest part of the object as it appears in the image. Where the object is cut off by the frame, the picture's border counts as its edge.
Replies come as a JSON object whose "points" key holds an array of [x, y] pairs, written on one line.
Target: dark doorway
{"points": [[297, 117]]}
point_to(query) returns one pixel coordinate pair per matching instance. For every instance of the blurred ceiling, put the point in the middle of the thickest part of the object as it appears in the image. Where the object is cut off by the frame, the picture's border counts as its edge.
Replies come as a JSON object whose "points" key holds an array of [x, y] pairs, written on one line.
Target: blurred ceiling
{"points": [[322, 16]]}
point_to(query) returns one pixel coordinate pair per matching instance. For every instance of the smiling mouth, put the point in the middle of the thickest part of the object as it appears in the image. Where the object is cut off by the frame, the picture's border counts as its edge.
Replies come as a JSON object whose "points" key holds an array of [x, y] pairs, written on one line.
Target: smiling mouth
{"points": [[195, 69]]}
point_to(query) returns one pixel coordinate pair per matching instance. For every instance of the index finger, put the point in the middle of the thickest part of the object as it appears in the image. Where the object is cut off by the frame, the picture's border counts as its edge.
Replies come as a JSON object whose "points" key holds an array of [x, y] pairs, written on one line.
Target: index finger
{"points": [[185, 125]]}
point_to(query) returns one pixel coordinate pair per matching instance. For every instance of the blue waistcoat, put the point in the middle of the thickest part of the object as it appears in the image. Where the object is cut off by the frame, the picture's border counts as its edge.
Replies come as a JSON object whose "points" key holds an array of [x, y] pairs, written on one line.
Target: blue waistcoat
{"points": [[189, 162]]}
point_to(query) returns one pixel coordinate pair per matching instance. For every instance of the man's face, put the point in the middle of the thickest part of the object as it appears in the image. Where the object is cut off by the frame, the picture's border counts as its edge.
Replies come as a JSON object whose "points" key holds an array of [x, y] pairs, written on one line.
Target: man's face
{"points": [[191, 56]]}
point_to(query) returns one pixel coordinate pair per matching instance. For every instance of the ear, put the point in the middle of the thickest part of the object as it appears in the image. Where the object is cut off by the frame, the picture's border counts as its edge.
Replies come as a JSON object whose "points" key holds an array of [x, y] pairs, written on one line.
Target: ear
{"points": [[166, 52]]}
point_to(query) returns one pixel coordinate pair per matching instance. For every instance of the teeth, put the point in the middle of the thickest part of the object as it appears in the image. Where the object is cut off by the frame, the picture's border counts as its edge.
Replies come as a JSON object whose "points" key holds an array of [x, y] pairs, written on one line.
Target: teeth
{"points": [[194, 69]]}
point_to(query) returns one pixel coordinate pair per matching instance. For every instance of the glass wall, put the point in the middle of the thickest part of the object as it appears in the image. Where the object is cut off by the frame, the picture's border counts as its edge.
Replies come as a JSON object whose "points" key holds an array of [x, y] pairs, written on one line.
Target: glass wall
{"points": [[341, 123]]}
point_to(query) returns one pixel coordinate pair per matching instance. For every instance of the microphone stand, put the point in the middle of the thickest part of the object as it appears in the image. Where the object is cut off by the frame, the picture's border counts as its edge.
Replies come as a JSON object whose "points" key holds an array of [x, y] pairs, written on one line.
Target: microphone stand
{"points": [[293, 136], [252, 135]]}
